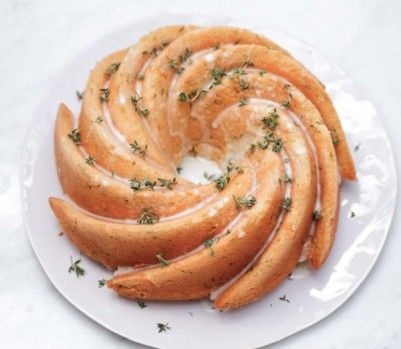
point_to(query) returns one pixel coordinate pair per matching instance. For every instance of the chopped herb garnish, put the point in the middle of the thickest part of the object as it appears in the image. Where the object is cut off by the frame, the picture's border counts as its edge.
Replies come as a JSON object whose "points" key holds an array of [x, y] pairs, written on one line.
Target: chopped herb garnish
{"points": [[357, 147], [239, 170], [148, 217], [137, 149], [140, 76], [173, 64], [284, 299], [237, 72], [230, 166], [163, 327], [135, 101], [104, 94], [207, 176], [112, 69], [217, 75], [76, 268], [262, 72], [141, 304], [90, 160], [147, 183], [101, 282], [334, 137], [162, 261], [182, 97], [317, 214], [246, 201], [167, 183], [99, 119], [190, 97], [352, 214], [80, 95], [248, 63], [277, 145], [222, 181], [242, 102], [286, 104], [209, 244], [287, 204], [216, 47], [179, 170], [287, 178], [154, 52], [185, 55], [75, 136], [252, 147], [271, 121], [134, 184], [144, 112], [135, 98], [267, 139]]}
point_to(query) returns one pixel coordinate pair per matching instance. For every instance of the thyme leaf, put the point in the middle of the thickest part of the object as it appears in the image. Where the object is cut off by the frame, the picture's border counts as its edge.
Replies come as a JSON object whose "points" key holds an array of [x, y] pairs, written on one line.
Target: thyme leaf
{"points": [[162, 261], [76, 268], [148, 217]]}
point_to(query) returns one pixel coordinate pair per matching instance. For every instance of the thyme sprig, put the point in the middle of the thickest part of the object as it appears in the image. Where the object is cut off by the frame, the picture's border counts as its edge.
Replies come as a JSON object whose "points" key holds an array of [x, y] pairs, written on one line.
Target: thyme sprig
{"points": [[286, 205], [245, 201], [76, 268], [272, 120], [148, 217], [224, 179], [90, 161], [209, 244], [177, 68], [141, 304], [185, 55], [167, 183], [217, 76], [112, 69], [156, 50], [80, 95], [162, 261], [99, 119], [242, 102], [136, 185], [137, 149], [191, 96], [317, 214], [104, 95], [75, 136], [163, 327], [135, 99]]}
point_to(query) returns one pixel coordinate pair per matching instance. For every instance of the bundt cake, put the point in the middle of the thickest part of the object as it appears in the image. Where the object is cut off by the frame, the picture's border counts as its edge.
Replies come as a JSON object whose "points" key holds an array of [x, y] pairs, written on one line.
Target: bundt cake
{"points": [[221, 93]]}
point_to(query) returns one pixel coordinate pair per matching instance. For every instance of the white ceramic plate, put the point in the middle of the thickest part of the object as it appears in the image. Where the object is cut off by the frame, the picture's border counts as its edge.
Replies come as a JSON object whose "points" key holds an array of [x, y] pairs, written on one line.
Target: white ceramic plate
{"points": [[313, 295]]}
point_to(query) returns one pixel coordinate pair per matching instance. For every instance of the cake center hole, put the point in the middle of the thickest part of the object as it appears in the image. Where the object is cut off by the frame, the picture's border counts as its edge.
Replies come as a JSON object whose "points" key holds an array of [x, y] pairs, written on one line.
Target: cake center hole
{"points": [[199, 170]]}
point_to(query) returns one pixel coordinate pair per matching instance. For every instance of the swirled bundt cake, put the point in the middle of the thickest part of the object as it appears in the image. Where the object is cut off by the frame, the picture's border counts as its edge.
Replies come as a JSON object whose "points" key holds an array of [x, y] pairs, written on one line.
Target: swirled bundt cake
{"points": [[225, 94]]}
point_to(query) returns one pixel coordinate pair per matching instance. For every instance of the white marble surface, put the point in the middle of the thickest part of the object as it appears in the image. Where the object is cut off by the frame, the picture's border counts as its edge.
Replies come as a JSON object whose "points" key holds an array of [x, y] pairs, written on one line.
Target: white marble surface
{"points": [[37, 38]]}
